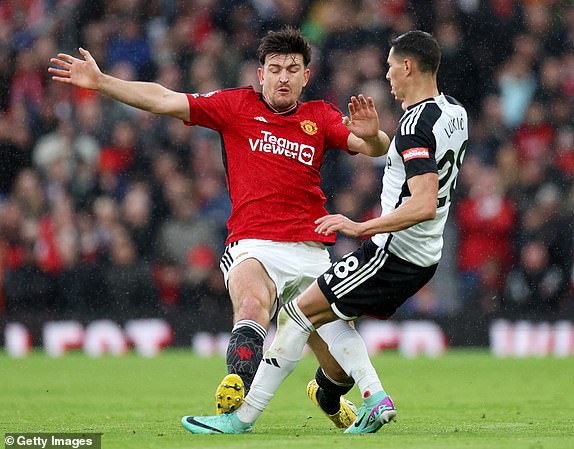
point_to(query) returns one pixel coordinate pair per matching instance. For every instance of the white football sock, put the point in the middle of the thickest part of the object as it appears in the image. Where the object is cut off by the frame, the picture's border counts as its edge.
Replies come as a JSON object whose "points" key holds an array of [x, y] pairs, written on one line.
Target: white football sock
{"points": [[348, 348], [293, 329]]}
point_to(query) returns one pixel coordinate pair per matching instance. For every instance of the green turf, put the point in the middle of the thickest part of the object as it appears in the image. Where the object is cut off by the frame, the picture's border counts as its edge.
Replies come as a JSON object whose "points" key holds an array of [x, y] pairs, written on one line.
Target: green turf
{"points": [[462, 400]]}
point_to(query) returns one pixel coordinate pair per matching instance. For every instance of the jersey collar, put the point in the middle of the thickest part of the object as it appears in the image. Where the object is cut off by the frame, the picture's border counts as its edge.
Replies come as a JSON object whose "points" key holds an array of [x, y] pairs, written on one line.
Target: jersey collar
{"points": [[422, 101]]}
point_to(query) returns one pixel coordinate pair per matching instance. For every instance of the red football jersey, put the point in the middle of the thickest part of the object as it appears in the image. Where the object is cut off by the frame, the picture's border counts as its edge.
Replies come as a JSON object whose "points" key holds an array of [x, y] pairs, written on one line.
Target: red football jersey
{"points": [[272, 161]]}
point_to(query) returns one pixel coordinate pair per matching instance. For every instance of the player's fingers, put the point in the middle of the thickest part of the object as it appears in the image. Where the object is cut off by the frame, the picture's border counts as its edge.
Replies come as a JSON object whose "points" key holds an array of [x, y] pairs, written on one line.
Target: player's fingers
{"points": [[363, 101], [325, 218], [371, 102], [60, 63], [346, 121], [327, 224], [61, 79], [321, 224], [59, 72], [67, 58], [324, 230], [85, 53], [352, 109]]}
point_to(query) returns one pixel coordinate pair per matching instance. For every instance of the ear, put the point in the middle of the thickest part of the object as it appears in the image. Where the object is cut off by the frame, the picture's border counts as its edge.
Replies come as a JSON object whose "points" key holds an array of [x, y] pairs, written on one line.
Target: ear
{"points": [[407, 65], [260, 75], [306, 76]]}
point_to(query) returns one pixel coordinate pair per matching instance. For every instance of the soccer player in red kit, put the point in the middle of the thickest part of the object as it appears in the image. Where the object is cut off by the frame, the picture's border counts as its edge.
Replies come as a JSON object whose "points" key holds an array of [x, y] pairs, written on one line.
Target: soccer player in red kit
{"points": [[273, 147]]}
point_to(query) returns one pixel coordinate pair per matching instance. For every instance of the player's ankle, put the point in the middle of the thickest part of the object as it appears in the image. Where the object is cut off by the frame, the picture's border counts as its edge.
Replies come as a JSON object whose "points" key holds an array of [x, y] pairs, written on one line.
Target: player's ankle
{"points": [[329, 403]]}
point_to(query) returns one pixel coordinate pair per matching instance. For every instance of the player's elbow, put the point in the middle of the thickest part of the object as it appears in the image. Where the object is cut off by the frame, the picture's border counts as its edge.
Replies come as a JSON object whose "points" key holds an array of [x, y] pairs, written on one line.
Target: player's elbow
{"points": [[428, 212], [170, 103]]}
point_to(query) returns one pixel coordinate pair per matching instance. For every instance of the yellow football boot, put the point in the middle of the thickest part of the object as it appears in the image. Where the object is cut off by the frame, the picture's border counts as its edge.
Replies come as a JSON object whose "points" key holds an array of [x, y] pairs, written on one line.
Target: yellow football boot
{"points": [[346, 414], [229, 394]]}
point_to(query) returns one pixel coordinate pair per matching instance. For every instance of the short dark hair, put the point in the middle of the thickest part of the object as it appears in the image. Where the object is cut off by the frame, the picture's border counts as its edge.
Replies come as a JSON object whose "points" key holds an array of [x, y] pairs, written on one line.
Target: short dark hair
{"points": [[286, 41], [421, 46]]}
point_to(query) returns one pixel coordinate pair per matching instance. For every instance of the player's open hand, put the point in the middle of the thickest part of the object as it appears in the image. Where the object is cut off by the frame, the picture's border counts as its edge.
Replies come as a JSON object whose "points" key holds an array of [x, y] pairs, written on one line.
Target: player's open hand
{"points": [[79, 72], [363, 120], [337, 223]]}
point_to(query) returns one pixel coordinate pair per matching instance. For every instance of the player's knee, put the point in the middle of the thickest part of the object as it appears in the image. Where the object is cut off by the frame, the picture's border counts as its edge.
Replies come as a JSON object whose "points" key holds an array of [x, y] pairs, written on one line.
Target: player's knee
{"points": [[253, 308]]}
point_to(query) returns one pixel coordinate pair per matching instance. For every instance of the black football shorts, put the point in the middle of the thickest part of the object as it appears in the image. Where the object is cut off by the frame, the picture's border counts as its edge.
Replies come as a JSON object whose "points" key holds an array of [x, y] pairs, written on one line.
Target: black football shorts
{"points": [[371, 281]]}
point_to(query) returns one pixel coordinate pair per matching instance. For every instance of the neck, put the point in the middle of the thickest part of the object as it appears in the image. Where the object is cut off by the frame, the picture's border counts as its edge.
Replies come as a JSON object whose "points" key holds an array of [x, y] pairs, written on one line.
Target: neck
{"points": [[421, 90]]}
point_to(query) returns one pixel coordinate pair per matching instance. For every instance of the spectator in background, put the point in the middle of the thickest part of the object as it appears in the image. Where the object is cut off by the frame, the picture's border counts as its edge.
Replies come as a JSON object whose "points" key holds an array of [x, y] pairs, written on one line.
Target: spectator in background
{"points": [[28, 194], [56, 154], [564, 152], [534, 137], [117, 158], [28, 290], [517, 84], [27, 87], [131, 46], [486, 220], [182, 231], [79, 283], [455, 67], [547, 221], [136, 210], [128, 280], [535, 286], [106, 221], [15, 143]]}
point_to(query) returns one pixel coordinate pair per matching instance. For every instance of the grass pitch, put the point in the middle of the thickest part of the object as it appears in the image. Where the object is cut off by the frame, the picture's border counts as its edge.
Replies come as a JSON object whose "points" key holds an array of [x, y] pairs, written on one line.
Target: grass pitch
{"points": [[462, 400]]}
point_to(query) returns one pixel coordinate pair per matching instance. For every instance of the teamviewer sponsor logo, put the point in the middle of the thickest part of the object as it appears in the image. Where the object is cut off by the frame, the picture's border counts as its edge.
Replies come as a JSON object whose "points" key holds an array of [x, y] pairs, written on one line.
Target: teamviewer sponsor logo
{"points": [[280, 146]]}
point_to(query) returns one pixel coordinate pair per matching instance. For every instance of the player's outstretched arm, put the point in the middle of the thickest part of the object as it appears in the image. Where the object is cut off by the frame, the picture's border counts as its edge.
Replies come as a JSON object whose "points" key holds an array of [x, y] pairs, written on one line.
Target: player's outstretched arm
{"points": [[363, 122], [84, 72]]}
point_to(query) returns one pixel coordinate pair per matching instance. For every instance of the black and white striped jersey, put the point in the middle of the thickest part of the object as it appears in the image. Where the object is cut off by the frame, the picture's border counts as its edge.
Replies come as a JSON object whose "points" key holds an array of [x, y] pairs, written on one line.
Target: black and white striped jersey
{"points": [[431, 137]]}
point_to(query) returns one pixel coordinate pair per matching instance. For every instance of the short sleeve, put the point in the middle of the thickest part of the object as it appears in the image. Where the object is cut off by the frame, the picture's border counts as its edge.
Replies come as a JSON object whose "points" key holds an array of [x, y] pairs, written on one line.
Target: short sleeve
{"points": [[212, 110], [336, 133], [416, 144]]}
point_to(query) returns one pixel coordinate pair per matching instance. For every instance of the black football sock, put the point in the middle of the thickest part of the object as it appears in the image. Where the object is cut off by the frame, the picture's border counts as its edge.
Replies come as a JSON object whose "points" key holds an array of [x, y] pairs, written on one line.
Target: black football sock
{"points": [[329, 393], [245, 350]]}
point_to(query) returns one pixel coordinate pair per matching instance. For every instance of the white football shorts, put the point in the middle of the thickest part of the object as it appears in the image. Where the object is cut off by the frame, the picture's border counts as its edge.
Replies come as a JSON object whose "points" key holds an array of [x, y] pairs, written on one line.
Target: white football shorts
{"points": [[292, 266]]}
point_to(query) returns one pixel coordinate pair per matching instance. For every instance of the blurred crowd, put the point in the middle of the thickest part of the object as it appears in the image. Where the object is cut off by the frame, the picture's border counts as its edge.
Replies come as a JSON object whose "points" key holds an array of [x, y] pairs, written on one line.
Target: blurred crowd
{"points": [[110, 210]]}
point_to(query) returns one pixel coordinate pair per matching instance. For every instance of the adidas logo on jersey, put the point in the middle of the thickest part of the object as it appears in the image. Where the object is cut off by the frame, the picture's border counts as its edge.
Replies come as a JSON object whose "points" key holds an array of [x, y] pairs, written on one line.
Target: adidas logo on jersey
{"points": [[261, 119]]}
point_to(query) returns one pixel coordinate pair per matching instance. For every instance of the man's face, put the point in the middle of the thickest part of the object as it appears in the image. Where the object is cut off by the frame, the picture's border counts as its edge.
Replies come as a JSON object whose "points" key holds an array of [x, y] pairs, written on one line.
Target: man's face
{"points": [[282, 79], [396, 75]]}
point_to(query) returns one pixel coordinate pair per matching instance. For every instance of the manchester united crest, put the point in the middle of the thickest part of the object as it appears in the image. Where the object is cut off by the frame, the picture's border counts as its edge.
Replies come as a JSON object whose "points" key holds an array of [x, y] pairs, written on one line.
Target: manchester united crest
{"points": [[309, 127]]}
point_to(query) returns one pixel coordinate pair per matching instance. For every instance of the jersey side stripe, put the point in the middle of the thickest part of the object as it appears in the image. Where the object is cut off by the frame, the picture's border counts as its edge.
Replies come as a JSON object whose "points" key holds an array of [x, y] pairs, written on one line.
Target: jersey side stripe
{"points": [[367, 271]]}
